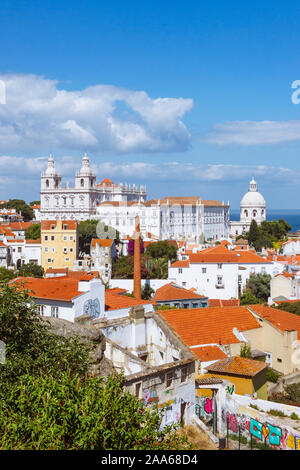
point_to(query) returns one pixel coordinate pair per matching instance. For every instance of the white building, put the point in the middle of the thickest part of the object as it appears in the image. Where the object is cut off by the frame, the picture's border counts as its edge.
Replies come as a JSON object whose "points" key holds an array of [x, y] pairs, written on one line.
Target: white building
{"points": [[252, 207], [218, 273], [180, 218], [79, 202]]}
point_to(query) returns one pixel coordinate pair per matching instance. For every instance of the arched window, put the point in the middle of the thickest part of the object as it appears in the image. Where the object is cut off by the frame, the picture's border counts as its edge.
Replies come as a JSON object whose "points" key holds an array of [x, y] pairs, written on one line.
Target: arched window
{"points": [[254, 213], [82, 182], [246, 213], [47, 183]]}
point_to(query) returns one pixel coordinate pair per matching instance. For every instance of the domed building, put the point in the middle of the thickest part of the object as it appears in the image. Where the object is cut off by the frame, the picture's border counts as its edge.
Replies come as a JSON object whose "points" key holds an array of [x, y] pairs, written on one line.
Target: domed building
{"points": [[252, 207]]}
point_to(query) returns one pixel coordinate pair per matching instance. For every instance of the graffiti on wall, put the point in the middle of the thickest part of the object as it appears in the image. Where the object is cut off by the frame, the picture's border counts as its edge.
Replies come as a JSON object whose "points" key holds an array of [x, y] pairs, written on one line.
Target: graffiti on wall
{"points": [[150, 395], [92, 307], [230, 389], [276, 436]]}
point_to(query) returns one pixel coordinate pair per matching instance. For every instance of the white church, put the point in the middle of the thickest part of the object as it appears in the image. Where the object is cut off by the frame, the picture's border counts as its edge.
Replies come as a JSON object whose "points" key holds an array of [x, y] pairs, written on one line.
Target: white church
{"points": [[252, 207], [181, 218], [80, 202]]}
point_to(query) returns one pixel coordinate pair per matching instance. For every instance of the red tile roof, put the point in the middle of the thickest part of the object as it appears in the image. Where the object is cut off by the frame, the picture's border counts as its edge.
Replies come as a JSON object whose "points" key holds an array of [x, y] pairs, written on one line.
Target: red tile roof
{"points": [[71, 224], [199, 326], [224, 302], [174, 292], [114, 301], [107, 182], [181, 264], [237, 365], [63, 289], [220, 254], [20, 225], [283, 321], [209, 353]]}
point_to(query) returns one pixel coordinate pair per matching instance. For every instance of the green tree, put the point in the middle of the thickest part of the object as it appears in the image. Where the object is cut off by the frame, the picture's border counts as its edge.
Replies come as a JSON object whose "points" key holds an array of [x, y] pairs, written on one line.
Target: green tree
{"points": [[147, 292], [33, 232], [246, 351], [259, 286], [21, 206], [291, 307], [70, 413], [31, 345], [253, 233], [34, 203], [6, 274], [31, 270], [162, 249], [247, 298], [86, 231]]}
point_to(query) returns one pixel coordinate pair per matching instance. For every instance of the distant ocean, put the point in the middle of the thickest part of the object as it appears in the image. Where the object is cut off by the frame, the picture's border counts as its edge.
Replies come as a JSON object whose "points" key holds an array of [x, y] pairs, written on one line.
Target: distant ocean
{"points": [[291, 216]]}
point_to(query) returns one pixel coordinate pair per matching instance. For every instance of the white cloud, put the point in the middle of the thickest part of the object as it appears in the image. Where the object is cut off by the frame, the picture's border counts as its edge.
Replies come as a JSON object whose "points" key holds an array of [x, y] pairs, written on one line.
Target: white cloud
{"points": [[253, 133], [28, 169], [38, 114]]}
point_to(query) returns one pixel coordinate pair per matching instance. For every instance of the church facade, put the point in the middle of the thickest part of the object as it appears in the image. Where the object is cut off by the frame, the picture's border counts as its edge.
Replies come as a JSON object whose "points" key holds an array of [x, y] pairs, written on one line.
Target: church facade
{"points": [[252, 207], [80, 202]]}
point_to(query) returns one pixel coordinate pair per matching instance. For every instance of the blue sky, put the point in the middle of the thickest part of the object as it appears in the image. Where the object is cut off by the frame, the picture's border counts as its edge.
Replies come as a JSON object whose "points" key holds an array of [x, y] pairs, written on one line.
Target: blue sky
{"points": [[190, 98]]}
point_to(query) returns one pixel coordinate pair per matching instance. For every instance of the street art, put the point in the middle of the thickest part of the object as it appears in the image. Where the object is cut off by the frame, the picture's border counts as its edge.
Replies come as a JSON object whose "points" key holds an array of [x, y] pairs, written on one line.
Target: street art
{"points": [[150, 395], [230, 389], [276, 436], [92, 307]]}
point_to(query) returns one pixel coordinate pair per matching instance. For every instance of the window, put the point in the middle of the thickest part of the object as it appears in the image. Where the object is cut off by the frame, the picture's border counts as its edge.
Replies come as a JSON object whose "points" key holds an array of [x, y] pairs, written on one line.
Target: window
{"points": [[169, 379], [203, 270], [49, 260], [40, 309], [219, 266], [185, 305], [71, 250], [54, 312], [184, 284], [179, 270], [19, 249], [65, 238], [46, 249], [52, 238], [46, 238], [138, 389], [65, 250], [184, 374], [52, 227], [65, 227], [71, 238]]}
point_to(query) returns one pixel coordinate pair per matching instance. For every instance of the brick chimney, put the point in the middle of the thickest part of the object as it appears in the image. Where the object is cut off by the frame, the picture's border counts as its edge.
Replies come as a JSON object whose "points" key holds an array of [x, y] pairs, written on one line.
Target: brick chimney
{"points": [[137, 261]]}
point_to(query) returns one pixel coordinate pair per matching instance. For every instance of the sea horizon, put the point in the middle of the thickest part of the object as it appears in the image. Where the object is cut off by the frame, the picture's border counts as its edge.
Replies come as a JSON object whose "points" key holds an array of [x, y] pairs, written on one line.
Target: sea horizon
{"points": [[292, 216]]}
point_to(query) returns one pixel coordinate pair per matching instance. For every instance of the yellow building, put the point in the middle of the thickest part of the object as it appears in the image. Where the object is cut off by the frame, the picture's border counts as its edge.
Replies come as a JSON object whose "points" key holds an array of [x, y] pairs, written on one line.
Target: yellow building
{"points": [[246, 375], [59, 243]]}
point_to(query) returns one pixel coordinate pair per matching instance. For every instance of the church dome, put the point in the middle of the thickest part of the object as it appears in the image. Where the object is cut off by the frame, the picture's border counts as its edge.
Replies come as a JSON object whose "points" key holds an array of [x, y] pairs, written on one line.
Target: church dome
{"points": [[253, 198], [50, 168], [85, 167]]}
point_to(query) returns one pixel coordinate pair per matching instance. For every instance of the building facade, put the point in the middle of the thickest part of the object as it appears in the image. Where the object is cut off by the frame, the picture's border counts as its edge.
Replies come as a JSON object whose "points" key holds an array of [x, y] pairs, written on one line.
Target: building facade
{"points": [[58, 243]]}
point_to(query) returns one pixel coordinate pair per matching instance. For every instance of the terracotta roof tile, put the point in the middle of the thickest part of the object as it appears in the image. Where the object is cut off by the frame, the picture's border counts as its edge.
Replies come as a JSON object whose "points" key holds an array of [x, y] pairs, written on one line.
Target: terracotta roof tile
{"points": [[209, 353], [172, 291], [50, 288], [281, 319], [209, 325], [237, 365], [181, 264], [104, 242]]}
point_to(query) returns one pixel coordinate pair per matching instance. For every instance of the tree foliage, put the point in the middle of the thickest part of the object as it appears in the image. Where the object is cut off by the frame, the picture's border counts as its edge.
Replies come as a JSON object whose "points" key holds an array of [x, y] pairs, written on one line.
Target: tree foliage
{"points": [[30, 270], [47, 413], [162, 249], [31, 346], [33, 232], [246, 351], [247, 298], [21, 206], [49, 401], [267, 233], [291, 307], [259, 286]]}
